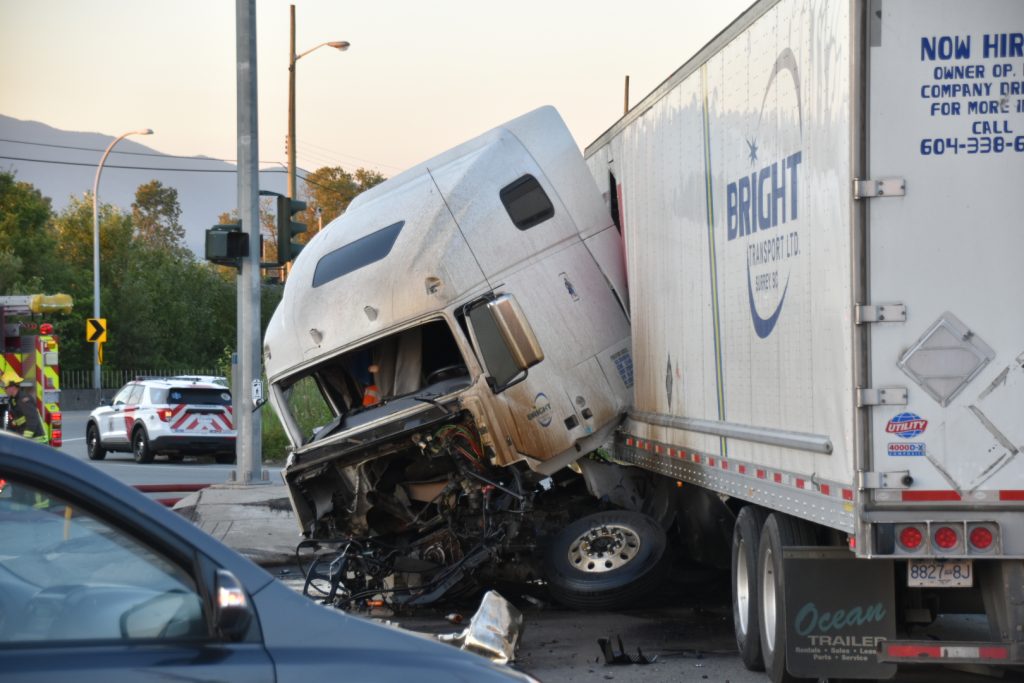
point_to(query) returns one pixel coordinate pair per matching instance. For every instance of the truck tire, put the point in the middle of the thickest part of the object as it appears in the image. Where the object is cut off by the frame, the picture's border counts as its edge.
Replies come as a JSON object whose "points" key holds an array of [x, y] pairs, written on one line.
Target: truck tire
{"points": [[140, 446], [606, 560], [780, 531], [746, 537], [93, 445]]}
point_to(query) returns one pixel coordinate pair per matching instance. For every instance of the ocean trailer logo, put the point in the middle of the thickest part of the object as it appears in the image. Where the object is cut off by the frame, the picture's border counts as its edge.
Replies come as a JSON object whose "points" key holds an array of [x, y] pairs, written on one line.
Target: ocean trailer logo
{"points": [[760, 202], [907, 425]]}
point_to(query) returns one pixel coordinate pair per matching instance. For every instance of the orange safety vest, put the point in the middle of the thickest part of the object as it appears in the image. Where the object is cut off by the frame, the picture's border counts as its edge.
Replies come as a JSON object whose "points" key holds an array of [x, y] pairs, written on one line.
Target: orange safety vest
{"points": [[371, 396]]}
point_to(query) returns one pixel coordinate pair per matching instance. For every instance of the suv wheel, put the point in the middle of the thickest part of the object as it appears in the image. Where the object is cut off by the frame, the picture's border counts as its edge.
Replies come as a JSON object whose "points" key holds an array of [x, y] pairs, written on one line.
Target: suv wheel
{"points": [[93, 444], [140, 446]]}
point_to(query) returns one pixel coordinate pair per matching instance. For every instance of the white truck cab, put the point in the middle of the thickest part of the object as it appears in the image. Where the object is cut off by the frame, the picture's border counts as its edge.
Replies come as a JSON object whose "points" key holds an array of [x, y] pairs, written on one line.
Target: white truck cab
{"points": [[473, 305]]}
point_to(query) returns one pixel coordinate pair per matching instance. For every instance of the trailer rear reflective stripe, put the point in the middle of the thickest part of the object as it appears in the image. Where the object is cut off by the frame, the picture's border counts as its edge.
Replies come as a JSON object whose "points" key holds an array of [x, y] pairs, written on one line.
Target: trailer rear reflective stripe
{"points": [[1011, 495], [919, 651], [912, 496]]}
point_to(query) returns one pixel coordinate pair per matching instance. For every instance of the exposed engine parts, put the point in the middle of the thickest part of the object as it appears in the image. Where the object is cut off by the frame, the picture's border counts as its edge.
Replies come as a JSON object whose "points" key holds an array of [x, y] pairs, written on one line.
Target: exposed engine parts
{"points": [[423, 520]]}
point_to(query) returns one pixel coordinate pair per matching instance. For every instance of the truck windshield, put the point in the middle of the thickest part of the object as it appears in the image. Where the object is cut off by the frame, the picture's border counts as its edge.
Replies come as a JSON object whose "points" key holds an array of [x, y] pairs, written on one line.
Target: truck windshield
{"points": [[347, 390]]}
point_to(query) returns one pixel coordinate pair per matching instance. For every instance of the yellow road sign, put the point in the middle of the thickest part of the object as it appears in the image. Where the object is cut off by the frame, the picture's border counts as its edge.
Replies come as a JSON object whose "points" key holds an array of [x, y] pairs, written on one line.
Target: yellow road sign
{"points": [[96, 330]]}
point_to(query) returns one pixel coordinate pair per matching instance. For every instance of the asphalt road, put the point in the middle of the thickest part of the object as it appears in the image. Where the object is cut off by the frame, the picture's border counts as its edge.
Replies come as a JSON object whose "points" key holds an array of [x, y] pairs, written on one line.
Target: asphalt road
{"points": [[687, 626], [122, 466]]}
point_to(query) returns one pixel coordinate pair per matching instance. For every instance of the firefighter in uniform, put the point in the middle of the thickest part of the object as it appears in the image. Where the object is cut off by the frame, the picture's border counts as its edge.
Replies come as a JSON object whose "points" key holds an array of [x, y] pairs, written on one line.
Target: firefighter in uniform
{"points": [[22, 418]]}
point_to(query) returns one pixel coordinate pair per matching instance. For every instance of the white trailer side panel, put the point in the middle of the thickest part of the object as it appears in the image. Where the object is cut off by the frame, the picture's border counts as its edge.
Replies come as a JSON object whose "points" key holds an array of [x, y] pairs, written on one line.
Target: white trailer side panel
{"points": [[735, 193], [947, 117]]}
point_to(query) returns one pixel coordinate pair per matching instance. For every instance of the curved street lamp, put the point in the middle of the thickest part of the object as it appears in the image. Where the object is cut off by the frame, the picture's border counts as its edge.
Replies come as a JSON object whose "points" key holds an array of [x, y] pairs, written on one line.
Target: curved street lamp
{"points": [[96, 248]]}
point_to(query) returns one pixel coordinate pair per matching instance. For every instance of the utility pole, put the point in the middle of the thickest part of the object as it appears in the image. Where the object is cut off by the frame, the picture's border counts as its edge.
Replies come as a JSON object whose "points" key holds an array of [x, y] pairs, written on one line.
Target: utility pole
{"points": [[291, 107], [248, 362]]}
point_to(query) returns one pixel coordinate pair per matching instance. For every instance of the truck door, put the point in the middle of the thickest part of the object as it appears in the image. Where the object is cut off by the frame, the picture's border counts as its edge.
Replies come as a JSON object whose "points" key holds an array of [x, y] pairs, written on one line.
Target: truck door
{"points": [[946, 137]]}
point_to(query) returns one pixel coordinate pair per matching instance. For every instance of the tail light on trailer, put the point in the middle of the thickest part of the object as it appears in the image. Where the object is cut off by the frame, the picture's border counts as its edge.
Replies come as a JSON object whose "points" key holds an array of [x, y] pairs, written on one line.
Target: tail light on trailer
{"points": [[911, 537], [982, 537], [946, 537]]}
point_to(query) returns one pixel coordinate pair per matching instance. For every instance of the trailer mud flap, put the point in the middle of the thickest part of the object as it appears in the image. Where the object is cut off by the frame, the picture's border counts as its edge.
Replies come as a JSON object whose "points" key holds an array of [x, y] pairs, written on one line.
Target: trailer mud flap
{"points": [[838, 610]]}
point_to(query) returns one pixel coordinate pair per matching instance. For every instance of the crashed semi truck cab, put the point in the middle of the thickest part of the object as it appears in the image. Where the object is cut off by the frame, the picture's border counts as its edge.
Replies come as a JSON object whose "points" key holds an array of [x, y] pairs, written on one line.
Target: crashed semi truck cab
{"points": [[472, 306]]}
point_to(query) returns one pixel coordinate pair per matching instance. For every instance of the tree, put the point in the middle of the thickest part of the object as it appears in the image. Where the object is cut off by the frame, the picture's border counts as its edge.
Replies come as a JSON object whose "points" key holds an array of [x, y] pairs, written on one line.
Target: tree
{"points": [[156, 216], [27, 240], [330, 189], [73, 231]]}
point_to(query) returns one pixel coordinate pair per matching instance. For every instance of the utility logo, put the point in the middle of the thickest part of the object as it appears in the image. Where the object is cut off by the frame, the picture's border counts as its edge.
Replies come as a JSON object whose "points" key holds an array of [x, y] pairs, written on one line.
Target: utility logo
{"points": [[767, 198], [906, 425], [541, 410]]}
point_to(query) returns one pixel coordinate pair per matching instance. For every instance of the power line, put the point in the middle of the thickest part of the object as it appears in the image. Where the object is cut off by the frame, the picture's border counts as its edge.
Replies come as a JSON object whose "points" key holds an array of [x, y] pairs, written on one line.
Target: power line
{"points": [[302, 143], [116, 151], [192, 157], [171, 170], [134, 168]]}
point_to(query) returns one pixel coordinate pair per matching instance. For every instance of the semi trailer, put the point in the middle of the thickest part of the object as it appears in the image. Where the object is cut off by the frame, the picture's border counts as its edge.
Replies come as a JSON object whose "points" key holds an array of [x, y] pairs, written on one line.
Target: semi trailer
{"points": [[821, 212]]}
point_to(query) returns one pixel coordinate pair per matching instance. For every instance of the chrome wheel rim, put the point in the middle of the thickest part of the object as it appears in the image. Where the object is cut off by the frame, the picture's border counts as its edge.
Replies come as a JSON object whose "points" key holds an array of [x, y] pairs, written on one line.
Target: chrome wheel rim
{"points": [[742, 587], [604, 548], [768, 600]]}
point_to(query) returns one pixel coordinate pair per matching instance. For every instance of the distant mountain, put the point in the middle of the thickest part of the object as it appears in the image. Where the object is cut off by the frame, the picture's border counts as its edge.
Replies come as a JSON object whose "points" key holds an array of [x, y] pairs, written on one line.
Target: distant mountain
{"points": [[205, 190]]}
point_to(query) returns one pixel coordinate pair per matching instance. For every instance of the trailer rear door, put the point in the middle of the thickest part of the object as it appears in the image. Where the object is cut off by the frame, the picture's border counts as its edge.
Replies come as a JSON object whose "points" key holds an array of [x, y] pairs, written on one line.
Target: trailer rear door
{"points": [[945, 240]]}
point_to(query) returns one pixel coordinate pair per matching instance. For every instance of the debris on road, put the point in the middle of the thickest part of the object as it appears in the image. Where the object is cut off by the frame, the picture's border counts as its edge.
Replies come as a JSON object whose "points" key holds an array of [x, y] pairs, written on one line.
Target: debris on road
{"points": [[493, 632], [612, 656]]}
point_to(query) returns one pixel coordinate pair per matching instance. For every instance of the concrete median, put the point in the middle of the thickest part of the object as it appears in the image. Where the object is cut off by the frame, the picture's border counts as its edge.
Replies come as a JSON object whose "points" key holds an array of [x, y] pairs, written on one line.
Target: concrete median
{"points": [[256, 521]]}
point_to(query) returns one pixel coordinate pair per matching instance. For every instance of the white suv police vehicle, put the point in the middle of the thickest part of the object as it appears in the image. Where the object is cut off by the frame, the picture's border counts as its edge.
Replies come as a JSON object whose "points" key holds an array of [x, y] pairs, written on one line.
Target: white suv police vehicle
{"points": [[176, 416]]}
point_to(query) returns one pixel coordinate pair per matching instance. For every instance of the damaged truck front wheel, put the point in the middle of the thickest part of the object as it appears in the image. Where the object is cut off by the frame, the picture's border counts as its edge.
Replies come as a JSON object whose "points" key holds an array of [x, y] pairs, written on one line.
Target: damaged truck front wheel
{"points": [[606, 560]]}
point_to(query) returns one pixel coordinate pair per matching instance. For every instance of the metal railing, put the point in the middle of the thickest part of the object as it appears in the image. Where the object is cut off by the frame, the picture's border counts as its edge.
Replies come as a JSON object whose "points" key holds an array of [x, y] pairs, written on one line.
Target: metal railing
{"points": [[115, 378]]}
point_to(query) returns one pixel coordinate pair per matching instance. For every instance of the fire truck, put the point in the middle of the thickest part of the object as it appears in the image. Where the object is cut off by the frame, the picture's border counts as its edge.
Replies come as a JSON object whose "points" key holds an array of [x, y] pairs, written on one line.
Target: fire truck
{"points": [[31, 349]]}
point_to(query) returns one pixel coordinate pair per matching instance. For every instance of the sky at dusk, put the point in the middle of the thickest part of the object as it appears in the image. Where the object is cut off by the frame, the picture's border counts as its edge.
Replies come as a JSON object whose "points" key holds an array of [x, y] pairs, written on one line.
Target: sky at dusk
{"points": [[419, 78]]}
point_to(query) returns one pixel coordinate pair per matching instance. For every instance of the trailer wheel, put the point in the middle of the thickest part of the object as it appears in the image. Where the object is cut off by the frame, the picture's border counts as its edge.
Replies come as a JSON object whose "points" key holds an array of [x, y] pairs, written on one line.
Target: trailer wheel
{"points": [[606, 560], [746, 536], [93, 445], [140, 446], [780, 531]]}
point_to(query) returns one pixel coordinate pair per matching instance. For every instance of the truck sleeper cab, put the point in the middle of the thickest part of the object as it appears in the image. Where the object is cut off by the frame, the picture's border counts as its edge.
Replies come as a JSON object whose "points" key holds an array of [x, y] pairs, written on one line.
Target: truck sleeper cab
{"points": [[447, 344]]}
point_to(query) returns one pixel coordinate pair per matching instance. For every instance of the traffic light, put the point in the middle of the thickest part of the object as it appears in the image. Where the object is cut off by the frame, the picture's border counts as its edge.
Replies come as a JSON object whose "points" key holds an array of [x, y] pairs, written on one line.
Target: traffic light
{"points": [[287, 249], [226, 244]]}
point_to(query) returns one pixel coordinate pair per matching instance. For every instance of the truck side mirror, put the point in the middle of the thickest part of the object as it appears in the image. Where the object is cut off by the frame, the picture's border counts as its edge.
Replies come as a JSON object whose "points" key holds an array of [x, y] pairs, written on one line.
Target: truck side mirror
{"points": [[506, 341]]}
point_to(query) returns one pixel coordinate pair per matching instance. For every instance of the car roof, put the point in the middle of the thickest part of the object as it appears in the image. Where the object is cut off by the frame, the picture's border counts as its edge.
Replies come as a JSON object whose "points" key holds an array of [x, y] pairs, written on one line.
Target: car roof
{"points": [[33, 461], [196, 381]]}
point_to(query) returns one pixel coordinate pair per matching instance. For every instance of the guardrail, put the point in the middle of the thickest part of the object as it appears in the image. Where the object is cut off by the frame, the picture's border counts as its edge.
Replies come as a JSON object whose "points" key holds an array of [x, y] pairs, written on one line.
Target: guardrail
{"points": [[170, 488], [115, 378]]}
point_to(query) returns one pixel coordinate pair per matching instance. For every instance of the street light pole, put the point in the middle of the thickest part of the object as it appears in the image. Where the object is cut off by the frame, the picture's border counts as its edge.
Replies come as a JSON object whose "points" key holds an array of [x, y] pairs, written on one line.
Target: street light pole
{"points": [[96, 248], [340, 45]]}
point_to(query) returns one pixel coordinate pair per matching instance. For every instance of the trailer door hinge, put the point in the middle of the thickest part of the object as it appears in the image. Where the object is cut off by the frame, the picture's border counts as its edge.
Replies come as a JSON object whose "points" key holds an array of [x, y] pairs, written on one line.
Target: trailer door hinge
{"points": [[884, 187], [885, 480], [880, 313], [883, 396]]}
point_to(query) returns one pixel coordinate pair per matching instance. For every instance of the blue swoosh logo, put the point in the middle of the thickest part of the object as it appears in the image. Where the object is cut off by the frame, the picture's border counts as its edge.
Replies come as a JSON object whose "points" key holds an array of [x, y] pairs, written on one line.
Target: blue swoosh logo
{"points": [[764, 326]]}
